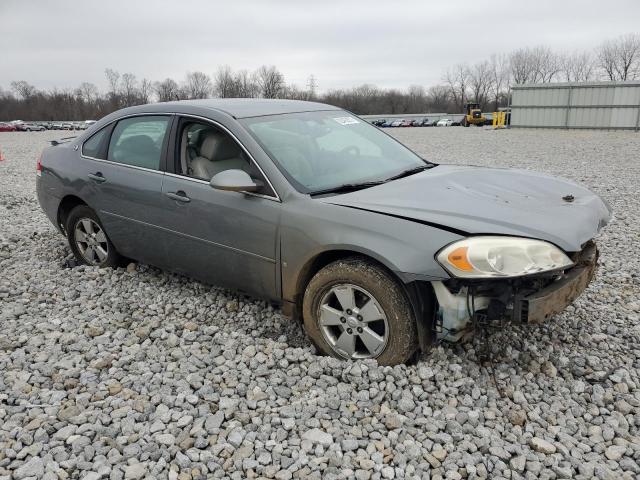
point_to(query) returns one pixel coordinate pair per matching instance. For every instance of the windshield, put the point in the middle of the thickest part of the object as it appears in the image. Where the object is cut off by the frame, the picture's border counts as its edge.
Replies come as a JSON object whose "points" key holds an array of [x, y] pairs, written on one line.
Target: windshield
{"points": [[319, 151]]}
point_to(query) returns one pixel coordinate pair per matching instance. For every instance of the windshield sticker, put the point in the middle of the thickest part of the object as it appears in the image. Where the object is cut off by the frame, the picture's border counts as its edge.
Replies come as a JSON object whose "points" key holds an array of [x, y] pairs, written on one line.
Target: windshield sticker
{"points": [[346, 120]]}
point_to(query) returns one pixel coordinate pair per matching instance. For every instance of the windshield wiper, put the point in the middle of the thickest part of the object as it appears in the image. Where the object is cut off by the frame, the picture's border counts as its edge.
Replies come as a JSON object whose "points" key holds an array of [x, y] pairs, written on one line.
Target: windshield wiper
{"points": [[352, 187], [348, 187], [411, 171]]}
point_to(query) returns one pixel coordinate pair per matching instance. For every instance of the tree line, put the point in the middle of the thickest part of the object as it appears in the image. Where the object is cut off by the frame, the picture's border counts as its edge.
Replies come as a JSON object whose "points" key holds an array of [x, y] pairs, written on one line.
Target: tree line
{"points": [[487, 82]]}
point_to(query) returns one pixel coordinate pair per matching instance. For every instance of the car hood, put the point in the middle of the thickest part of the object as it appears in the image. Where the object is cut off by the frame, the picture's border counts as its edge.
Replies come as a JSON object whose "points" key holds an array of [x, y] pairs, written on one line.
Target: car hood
{"points": [[479, 200]]}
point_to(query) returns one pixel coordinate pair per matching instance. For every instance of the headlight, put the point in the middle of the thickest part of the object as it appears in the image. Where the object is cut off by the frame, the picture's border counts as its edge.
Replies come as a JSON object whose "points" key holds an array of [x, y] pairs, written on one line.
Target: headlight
{"points": [[486, 257]]}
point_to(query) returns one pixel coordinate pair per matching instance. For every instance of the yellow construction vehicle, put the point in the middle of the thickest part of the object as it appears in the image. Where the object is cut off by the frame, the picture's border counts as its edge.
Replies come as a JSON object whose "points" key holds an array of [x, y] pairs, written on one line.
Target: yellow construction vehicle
{"points": [[473, 115]]}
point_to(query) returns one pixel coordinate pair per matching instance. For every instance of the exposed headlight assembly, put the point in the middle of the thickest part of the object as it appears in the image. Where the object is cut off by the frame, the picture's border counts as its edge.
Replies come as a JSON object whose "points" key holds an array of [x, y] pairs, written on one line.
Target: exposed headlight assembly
{"points": [[501, 257]]}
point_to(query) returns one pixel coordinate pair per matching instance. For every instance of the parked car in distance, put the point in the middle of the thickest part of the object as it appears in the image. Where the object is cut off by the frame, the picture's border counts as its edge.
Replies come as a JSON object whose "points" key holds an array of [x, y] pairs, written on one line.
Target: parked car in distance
{"points": [[7, 127], [379, 123], [56, 126], [379, 251], [29, 127], [444, 122], [66, 126], [396, 123], [407, 123]]}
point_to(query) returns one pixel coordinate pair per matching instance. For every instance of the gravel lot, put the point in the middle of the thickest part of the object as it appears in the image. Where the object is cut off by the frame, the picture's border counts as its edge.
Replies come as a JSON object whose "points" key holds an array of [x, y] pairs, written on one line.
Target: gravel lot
{"points": [[136, 373]]}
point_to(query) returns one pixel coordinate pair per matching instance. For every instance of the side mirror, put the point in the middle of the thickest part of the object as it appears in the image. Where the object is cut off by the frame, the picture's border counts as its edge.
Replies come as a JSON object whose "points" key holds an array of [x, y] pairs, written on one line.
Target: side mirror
{"points": [[234, 181]]}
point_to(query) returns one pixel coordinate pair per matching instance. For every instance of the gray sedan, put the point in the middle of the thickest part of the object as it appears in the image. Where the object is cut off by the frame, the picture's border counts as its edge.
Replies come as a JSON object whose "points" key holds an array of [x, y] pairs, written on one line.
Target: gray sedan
{"points": [[378, 251]]}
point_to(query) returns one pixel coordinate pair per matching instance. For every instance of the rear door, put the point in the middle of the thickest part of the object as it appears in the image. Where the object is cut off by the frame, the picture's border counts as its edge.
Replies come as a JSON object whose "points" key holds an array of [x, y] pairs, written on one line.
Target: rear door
{"points": [[221, 237], [125, 178]]}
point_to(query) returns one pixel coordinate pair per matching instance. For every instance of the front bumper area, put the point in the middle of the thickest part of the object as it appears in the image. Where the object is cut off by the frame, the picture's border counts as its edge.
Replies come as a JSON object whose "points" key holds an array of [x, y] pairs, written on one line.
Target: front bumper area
{"points": [[464, 306], [553, 299]]}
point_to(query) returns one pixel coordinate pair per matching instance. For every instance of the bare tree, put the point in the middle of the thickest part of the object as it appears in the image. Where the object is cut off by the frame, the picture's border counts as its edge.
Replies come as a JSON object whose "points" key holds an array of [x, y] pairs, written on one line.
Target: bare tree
{"points": [[438, 98], [620, 58], [246, 85], [457, 78], [270, 81], [198, 85], [547, 64], [499, 66], [23, 89], [577, 66], [534, 65], [293, 92], [417, 99], [167, 90], [88, 92], [146, 90], [129, 87], [480, 82], [523, 69], [113, 79], [224, 83]]}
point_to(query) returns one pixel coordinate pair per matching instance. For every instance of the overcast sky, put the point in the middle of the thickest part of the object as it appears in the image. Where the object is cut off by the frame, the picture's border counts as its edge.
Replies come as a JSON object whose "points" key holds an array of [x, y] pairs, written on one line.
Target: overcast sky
{"points": [[343, 43]]}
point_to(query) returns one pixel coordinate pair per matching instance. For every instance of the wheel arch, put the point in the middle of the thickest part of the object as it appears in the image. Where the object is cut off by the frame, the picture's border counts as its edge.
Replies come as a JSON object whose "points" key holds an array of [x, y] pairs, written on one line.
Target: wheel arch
{"points": [[68, 203], [420, 294], [321, 259]]}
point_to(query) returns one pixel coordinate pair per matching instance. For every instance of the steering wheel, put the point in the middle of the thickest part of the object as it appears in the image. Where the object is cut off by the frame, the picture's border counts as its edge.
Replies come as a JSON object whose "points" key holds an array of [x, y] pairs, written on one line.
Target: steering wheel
{"points": [[351, 149]]}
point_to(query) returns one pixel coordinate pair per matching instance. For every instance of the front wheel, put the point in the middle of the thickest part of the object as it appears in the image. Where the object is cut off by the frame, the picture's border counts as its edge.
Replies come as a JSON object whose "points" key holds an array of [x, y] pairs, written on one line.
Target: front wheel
{"points": [[88, 240], [354, 309]]}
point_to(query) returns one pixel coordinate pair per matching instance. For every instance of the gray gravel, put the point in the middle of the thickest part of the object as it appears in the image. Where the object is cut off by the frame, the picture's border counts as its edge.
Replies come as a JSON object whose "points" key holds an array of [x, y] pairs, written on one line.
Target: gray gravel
{"points": [[135, 373]]}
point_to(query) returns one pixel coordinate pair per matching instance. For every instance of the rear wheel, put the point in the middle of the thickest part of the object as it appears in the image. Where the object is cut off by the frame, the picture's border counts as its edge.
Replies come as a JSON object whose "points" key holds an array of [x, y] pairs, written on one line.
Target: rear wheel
{"points": [[88, 240], [354, 309]]}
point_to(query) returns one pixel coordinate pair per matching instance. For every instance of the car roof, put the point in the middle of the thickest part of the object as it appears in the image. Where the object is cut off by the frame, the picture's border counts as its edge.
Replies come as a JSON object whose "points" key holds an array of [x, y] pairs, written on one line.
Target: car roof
{"points": [[250, 107]]}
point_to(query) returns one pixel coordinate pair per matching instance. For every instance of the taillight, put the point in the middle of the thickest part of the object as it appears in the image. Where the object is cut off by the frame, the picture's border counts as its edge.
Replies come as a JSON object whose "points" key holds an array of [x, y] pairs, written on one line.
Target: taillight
{"points": [[39, 166]]}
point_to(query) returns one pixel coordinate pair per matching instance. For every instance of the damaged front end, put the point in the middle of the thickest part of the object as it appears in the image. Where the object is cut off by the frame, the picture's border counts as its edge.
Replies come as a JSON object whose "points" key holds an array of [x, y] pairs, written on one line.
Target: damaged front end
{"points": [[466, 304]]}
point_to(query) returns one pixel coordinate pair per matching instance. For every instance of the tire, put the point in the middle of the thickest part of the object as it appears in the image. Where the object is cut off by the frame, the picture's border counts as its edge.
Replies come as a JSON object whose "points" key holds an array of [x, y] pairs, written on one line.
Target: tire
{"points": [[396, 337], [84, 229]]}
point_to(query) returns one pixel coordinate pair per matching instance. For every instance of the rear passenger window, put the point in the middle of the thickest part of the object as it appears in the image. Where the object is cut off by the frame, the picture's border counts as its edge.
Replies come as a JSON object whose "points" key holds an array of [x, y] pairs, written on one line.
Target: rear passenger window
{"points": [[94, 146], [138, 141]]}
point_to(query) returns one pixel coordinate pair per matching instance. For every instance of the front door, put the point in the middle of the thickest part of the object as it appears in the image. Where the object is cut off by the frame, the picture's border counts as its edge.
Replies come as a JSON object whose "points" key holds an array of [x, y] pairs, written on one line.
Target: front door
{"points": [[221, 237]]}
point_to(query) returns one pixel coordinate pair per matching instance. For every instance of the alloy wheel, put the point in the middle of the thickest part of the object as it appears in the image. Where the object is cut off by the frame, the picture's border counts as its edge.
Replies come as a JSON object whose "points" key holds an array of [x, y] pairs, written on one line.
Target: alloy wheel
{"points": [[91, 241], [353, 322]]}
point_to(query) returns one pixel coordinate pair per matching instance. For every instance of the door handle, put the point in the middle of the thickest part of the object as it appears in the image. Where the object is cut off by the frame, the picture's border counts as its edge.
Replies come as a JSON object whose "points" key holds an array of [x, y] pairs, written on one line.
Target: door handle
{"points": [[180, 196], [97, 177]]}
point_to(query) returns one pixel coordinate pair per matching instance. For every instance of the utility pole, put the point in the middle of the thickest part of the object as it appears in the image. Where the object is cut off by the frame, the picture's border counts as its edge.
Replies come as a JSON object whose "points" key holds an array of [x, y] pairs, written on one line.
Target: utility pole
{"points": [[312, 85]]}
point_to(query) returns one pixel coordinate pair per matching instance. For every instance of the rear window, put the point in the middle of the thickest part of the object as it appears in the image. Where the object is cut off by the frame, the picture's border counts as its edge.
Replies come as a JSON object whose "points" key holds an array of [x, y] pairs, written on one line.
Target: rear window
{"points": [[138, 141], [94, 146]]}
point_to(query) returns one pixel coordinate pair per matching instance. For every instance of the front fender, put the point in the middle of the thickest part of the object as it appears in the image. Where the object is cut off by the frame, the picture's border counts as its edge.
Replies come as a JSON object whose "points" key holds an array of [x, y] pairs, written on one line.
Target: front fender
{"points": [[313, 228]]}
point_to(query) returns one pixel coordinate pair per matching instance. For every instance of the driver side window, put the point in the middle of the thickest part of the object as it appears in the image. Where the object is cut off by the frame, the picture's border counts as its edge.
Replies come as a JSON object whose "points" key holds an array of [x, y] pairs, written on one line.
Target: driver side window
{"points": [[204, 151]]}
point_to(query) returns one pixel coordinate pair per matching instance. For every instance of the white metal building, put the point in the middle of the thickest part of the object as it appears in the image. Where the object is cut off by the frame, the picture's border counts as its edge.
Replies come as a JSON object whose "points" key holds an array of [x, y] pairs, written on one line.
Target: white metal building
{"points": [[601, 105]]}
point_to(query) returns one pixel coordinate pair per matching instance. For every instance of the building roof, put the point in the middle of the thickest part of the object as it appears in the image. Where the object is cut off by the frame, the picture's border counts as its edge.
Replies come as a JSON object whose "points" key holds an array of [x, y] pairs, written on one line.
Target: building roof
{"points": [[532, 86]]}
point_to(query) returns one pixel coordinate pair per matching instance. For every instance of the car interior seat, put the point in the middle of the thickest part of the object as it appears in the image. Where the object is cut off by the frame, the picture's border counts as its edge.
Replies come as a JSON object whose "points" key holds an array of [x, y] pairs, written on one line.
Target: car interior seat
{"points": [[218, 152]]}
